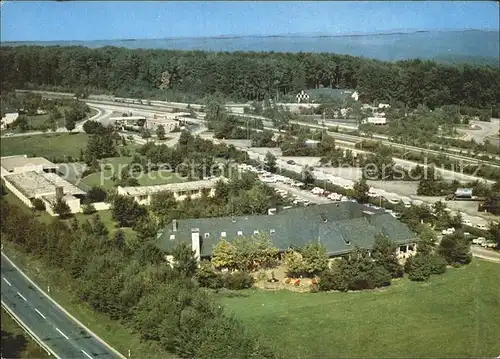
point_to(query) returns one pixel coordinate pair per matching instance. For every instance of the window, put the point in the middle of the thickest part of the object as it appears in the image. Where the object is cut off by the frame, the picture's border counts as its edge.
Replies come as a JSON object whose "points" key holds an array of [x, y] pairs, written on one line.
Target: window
{"points": [[172, 237], [240, 233], [402, 249], [223, 234], [206, 235], [272, 231], [255, 232], [410, 247]]}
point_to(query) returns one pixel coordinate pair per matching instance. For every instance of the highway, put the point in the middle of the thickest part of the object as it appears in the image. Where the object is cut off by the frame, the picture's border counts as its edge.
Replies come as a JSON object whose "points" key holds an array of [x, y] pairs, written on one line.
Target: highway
{"points": [[62, 336]]}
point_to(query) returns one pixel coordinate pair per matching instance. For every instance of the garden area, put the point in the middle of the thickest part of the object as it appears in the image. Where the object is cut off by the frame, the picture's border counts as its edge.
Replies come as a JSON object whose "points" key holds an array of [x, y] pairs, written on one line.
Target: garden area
{"points": [[452, 315]]}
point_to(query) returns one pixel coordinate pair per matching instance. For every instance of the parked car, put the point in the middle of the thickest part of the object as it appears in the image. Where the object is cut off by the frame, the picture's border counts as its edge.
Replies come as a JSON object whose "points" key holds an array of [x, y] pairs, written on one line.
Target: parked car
{"points": [[290, 162], [481, 226], [479, 241], [450, 230]]}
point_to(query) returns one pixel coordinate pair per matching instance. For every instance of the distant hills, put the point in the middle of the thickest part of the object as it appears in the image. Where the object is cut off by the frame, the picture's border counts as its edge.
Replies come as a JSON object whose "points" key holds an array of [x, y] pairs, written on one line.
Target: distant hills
{"points": [[471, 46]]}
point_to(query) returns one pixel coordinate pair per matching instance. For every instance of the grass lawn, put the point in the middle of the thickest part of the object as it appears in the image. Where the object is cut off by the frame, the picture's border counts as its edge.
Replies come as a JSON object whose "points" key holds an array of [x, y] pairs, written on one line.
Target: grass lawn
{"points": [[38, 121], [453, 315], [46, 145], [16, 344], [114, 165]]}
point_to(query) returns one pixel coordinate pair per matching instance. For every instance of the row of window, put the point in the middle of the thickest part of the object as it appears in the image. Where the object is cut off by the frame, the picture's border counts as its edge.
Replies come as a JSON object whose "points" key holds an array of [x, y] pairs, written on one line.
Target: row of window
{"points": [[224, 234]]}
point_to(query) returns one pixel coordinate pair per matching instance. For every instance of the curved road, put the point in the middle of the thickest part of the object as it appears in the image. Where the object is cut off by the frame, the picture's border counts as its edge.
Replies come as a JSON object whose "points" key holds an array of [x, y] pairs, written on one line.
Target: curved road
{"points": [[65, 338]]}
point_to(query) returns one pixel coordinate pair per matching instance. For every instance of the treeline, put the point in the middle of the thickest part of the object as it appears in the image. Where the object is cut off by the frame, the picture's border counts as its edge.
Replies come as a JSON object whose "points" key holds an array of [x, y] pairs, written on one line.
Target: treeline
{"points": [[163, 305], [246, 76]]}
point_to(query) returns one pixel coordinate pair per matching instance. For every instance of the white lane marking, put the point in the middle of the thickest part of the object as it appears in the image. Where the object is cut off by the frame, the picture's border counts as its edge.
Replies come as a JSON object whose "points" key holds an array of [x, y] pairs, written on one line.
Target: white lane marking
{"points": [[19, 294], [84, 352], [64, 335], [43, 316], [6, 281]]}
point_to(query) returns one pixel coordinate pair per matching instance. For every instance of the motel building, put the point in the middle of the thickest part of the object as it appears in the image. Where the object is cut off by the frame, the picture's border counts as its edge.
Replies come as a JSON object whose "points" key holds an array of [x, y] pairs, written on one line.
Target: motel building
{"points": [[181, 191], [36, 177]]}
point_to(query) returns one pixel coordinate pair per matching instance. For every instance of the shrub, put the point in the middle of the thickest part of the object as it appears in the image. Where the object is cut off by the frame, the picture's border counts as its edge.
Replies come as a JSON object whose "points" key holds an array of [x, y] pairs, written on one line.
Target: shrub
{"points": [[38, 204], [422, 266], [88, 208], [208, 277], [237, 280]]}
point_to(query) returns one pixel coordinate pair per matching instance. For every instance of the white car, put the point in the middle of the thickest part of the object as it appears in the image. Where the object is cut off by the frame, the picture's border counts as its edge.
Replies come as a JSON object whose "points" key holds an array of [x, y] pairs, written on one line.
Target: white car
{"points": [[450, 230], [466, 222], [481, 226], [479, 241]]}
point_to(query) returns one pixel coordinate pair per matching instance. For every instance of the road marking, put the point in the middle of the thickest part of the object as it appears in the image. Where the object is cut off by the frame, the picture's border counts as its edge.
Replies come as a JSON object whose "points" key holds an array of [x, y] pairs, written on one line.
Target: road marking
{"points": [[84, 352], [64, 335], [43, 316], [6, 281], [19, 294]]}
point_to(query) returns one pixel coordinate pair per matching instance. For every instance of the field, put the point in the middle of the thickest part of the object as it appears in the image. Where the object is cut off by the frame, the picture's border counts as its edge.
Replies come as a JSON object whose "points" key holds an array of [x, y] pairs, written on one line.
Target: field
{"points": [[453, 315], [46, 145], [16, 344], [114, 165]]}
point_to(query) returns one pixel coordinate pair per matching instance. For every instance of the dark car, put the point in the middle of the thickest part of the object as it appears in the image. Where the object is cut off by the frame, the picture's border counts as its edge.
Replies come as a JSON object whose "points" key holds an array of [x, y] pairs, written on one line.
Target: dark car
{"points": [[290, 162]]}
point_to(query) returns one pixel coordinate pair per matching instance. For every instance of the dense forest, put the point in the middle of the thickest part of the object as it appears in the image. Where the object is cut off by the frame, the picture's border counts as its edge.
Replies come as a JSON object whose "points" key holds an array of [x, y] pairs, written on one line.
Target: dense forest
{"points": [[190, 75]]}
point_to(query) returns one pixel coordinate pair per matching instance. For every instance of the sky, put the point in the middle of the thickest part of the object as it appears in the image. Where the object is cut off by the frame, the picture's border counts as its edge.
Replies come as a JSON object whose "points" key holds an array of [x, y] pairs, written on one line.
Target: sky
{"points": [[99, 20]]}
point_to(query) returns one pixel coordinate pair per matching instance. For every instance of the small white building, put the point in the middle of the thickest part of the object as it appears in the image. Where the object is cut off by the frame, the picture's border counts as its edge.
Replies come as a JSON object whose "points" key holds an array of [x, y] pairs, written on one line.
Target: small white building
{"points": [[143, 194], [383, 105], [23, 163], [30, 185], [355, 96], [376, 120]]}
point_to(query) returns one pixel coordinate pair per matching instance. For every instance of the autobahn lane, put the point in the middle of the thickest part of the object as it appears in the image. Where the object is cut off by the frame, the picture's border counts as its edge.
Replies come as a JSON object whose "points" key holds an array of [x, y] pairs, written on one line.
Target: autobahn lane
{"points": [[51, 324]]}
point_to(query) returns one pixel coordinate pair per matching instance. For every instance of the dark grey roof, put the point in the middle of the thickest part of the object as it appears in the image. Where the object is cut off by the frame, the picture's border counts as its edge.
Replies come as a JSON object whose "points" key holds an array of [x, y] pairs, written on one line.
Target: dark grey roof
{"points": [[339, 226]]}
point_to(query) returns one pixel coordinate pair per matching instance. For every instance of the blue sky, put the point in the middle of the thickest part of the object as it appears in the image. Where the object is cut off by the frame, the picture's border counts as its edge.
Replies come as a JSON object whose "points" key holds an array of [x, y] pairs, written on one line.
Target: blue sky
{"points": [[46, 20]]}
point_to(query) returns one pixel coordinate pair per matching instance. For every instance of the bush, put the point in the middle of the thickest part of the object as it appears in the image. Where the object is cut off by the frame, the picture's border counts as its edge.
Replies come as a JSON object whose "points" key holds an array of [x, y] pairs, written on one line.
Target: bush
{"points": [[38, 204], [422, 266], [88, 208], [208, 277], [237, 280]]}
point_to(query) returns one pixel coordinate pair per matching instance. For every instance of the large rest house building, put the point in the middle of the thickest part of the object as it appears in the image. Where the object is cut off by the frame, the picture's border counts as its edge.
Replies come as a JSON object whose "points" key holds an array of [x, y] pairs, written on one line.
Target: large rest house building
{"points": [[341, 227], [36, 177]]}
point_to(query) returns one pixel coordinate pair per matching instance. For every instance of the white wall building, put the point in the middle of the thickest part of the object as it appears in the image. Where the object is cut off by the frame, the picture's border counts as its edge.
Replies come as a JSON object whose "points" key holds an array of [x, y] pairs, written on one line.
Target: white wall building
{"points": [[143, 194], [36, 177]]}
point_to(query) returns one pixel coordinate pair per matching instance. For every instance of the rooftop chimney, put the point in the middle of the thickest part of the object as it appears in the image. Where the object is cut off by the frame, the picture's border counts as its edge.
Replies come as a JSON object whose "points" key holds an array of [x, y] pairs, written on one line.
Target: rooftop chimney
{"points": [[174, 225]]}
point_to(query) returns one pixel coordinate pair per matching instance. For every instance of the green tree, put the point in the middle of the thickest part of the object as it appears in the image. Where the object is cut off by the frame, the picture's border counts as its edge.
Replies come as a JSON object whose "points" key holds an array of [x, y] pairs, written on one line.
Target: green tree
{"points": [[160, 132], [294, 264], [455, 249], [360, 190], [224, 255], [270, 162], [184, 261], [314, 259], [126, 211], [61, 208], [38, 204], [88, 208], [384, 254], [427, 239]]}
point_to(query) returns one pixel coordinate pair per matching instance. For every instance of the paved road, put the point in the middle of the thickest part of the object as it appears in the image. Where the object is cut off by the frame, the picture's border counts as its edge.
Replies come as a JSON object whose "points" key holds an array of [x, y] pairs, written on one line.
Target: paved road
{"points": [[483, 130], [102, 114], [64, 336], [486, 254]]}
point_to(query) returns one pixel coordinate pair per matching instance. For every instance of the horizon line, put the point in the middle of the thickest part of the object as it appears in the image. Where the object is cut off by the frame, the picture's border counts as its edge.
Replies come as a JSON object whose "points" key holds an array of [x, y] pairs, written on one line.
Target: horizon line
{"points": [[310, 35]]}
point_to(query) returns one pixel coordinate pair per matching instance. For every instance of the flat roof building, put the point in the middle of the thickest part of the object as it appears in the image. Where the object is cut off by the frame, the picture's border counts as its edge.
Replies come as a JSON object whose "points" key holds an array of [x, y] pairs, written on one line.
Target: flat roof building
{"points": [[30, 185], [23, 163], [143, 194]]}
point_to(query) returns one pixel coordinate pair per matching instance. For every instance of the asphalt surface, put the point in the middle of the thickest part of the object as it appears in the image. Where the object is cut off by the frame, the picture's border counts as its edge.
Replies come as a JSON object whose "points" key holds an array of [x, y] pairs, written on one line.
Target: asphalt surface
{"points": [[64, 336]]}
